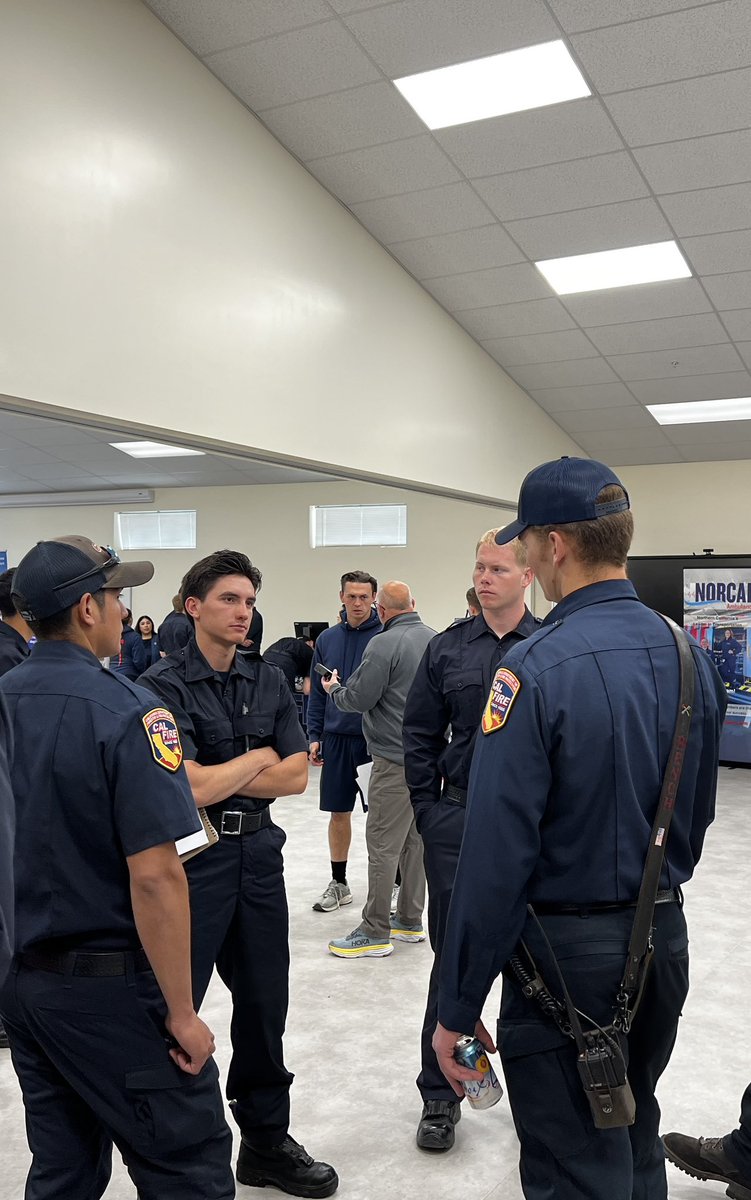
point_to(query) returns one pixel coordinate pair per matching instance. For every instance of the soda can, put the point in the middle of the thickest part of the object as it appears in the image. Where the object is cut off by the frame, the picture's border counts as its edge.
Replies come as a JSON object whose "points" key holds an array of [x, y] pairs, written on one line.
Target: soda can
{"points": [[481, 1093]]}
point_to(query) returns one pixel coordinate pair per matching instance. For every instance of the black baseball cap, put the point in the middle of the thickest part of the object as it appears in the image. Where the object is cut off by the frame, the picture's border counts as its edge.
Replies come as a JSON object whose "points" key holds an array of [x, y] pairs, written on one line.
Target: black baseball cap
{"points": [[561, 492], [54, 575]]}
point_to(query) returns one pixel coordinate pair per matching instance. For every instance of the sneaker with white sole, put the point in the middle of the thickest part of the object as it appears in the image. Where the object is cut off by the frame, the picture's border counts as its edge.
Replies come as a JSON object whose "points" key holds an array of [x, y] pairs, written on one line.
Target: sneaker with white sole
{"points": [[335, 895], [407, 933], [358, 945]]}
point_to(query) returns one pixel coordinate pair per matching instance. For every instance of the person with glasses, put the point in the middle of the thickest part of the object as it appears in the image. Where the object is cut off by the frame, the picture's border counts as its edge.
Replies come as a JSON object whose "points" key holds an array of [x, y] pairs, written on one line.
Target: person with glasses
{"points": [[98, 1006]]}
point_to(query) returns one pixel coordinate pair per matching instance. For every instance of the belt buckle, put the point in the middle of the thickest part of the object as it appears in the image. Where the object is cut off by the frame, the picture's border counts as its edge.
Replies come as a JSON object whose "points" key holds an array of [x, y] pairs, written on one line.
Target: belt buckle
{"points": [[229, 831]]}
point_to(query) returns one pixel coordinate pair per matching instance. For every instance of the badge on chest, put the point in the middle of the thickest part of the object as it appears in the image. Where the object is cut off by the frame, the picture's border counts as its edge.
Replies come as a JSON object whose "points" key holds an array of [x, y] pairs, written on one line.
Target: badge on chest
{"points": [[503, 692]]}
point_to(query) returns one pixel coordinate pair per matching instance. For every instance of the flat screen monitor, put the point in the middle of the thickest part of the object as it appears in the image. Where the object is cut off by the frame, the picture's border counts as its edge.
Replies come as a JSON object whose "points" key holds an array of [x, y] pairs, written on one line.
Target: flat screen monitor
{"points": [[310, 629]]}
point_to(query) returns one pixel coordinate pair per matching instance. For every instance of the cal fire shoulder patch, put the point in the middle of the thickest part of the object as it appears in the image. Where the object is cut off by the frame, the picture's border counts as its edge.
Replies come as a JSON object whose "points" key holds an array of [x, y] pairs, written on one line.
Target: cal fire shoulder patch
{"points": [[502, 695], [164, 738]]}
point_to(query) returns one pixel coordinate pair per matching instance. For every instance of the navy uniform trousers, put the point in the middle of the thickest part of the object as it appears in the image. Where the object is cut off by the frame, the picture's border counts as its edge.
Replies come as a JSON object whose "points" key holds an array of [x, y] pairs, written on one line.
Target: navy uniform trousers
{"points": [[441, 830], [92, 1059], [563, 1155], [239, 921]]}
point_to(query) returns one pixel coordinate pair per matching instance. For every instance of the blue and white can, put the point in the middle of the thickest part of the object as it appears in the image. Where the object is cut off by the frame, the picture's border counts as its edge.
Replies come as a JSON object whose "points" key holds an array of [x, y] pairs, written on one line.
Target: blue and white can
{"points": [[481, 1093]]}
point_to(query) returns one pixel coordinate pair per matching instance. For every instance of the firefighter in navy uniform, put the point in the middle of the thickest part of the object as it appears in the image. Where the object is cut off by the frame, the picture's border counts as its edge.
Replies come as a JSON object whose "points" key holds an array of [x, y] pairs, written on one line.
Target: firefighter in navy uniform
{"points": [[449, 692], [243, 747], [565, 780], [98, 1006]]}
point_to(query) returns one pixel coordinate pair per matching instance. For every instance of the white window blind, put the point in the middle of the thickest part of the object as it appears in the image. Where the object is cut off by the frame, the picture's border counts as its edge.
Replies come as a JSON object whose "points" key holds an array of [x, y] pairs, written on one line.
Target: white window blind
{"points": [[358, 525], [170, 530]]}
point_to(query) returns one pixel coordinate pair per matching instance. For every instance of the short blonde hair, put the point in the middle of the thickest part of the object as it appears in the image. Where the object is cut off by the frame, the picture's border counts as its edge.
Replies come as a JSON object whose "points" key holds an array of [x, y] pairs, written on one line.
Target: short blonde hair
{"points": [[488, 539]]}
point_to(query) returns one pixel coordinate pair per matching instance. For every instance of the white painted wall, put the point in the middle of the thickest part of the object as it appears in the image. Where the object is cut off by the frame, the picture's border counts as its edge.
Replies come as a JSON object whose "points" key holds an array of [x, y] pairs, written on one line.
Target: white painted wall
{"points": [[167, 262], [271, 524], [680, 508]]}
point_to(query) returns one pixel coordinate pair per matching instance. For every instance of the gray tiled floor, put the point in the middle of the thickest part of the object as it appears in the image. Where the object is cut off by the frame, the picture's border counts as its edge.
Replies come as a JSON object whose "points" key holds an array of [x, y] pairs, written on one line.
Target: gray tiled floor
{"points": [[352, 1034]]}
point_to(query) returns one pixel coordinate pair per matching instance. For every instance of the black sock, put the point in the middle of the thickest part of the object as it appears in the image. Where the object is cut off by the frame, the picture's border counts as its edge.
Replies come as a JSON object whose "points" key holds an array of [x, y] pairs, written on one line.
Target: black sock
{"points": [[339, 871], [398, 880]]}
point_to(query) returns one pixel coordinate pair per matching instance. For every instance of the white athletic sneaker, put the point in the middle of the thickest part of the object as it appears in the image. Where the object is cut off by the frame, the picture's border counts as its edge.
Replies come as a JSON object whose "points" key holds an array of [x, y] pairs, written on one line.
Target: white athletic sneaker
{"points": [[334, 897]]}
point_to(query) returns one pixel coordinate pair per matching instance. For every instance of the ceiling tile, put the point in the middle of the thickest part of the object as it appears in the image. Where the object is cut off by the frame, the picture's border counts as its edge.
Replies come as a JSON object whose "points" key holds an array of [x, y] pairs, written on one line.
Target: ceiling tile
{"points": [[294, 66], [609, 440], [540, 347], [717, 452], [610, 226], [512, 320], [738, 323], [576, 15], [603, 179], [423, 214], [700, 387], [577, 129], [712, 431], [716, 37], [671, 333], [716, 253], [389, 170], [418, 35], [670, 111], [744, 349], [500, 285], [709, 210], [588, 396], [563, 374], [667, 364], [224, 23], [342, 121], [729, 291], [698, 162], [452, 253], [649, 301], [632, 417]]}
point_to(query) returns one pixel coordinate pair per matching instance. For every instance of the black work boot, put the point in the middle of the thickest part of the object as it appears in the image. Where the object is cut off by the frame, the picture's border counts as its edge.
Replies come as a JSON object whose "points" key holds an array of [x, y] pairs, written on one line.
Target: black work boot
{"points": [[288, 1167], [436, 1129], [705, 1158]]}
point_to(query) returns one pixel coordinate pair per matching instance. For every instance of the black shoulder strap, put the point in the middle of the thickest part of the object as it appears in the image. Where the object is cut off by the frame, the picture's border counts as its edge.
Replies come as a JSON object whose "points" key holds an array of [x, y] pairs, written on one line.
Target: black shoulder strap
{"points": [[650, 882]]}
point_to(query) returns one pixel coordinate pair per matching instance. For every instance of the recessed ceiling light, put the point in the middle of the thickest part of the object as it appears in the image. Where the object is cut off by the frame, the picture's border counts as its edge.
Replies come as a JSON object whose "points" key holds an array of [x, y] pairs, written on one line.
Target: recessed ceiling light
{"points": [[695, 411], [615, 268], [490, 87], [154, 450]]}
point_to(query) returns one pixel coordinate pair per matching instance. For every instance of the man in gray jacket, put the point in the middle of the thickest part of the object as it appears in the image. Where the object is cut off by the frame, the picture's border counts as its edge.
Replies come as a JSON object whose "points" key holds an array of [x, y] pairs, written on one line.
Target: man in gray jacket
{"points": [[378, 689]]}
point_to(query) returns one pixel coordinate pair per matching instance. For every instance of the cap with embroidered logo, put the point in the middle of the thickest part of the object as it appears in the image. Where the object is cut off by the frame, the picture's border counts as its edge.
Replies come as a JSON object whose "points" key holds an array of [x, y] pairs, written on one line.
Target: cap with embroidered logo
{"points": [[55, 574], [561, 492]]}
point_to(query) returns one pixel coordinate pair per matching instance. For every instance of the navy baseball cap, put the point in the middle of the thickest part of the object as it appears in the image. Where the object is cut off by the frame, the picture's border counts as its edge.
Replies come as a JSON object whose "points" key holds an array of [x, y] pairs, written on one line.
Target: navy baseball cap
{"points": [[54, 575], [561, 492]]}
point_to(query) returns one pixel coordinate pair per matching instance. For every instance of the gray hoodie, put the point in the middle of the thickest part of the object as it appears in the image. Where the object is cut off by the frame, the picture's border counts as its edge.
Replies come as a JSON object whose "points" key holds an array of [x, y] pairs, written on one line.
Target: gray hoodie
{"points": [[378, 688]]}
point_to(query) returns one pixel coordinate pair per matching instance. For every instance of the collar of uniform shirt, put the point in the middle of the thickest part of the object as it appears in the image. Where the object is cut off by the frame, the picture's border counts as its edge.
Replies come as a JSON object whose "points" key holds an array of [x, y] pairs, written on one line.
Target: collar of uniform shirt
{"points": [[527, 625], [197, 668], [593, 593]]}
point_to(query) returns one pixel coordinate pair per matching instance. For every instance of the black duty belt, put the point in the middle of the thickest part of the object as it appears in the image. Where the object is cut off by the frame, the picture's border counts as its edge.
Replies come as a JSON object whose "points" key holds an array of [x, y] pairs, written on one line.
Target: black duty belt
{"points": [[88, 963], [583, 910], [233, 824], [454, 794]]}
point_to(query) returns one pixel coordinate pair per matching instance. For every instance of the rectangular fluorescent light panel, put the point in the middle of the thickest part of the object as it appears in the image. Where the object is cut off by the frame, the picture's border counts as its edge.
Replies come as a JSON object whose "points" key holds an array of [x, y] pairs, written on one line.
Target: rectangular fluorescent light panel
{"points": [[615, 268], [153, 450], [695, 411], [490, 87]]}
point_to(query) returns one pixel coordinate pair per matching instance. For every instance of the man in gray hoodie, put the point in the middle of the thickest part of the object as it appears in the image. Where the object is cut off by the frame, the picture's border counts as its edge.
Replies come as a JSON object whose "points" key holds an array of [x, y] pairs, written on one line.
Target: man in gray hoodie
{"points": [[378, 689]]}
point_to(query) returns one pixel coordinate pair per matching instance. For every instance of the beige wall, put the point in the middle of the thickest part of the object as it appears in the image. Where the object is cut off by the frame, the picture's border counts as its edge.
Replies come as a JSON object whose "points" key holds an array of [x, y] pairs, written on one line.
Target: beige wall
{"points": [[167, 262], [684, 507], [271, 524]]}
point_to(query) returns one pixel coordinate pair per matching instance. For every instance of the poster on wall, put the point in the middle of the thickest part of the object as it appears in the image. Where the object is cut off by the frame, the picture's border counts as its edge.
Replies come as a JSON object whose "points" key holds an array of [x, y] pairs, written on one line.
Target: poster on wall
{"points": [[717, 612], [3, 561]]}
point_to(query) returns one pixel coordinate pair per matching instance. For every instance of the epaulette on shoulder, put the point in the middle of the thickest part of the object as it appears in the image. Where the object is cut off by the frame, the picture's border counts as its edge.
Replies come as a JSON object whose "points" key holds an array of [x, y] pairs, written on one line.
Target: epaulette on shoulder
{"points": [[534, 639], [458, 623]]}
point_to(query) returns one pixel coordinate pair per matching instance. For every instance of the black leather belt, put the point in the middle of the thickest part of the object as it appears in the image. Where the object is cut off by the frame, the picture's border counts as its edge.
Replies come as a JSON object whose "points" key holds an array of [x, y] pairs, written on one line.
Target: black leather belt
{"points": [[233, 824], [454, 794], [583, 910], [89, 964]]}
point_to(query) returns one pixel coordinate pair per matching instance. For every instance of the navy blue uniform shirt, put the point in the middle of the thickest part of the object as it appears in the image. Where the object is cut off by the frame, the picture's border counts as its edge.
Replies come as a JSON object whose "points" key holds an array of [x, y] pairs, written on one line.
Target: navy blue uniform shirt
{"points": [[7, 838], [450, 689], [220, 718], [91, 788], [563, 793], [13, 648]]}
